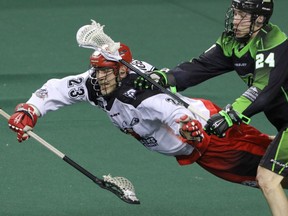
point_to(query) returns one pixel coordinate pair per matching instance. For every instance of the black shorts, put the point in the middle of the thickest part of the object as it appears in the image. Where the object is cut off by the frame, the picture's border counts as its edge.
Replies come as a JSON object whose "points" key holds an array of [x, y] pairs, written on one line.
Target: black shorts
{"points": [[276, 156]]}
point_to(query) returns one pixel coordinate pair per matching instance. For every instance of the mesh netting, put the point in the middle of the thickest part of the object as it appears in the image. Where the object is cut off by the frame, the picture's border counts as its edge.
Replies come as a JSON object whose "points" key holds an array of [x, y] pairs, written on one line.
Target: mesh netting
{"points": [[124, 184], [93, 36], [121, 182]]}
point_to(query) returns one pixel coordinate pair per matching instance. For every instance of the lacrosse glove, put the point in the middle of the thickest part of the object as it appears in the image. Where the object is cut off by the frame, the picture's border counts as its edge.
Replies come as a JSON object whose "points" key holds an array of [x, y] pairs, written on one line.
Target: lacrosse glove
{"points": [[219, 123], [190, 129], [23, 120], [160, 77]]}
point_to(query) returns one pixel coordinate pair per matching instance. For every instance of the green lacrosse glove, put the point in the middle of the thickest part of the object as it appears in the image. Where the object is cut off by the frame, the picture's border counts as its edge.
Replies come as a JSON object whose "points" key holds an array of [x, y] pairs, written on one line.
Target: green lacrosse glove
{"points": [[219, 123], [158, 76]]}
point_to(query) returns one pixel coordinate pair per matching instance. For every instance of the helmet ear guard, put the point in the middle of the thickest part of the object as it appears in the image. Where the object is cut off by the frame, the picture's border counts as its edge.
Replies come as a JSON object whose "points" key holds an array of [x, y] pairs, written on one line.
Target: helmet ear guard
{"points": [[125, 53]]}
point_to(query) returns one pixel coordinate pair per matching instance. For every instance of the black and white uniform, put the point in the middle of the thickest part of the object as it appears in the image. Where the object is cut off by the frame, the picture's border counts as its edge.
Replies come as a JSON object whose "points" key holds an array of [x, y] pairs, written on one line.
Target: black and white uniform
{"points": [[139, 113]]}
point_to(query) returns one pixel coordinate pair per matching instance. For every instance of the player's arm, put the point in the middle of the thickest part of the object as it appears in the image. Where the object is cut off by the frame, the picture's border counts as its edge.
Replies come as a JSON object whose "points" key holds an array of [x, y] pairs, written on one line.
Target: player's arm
{"points": [[55, 93], [270, 74], [211, 63]]}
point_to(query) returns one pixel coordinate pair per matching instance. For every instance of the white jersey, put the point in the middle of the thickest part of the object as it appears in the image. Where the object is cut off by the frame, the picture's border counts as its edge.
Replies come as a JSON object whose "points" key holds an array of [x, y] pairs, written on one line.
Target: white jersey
{"points": [[148, 115]]}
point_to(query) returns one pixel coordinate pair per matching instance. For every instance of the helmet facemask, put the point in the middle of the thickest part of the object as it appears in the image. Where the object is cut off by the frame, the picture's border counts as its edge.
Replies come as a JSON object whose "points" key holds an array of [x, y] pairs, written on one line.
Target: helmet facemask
{"points": [[107, 79], [106, 75], [251, 8], [232, 29], [94, 82]]}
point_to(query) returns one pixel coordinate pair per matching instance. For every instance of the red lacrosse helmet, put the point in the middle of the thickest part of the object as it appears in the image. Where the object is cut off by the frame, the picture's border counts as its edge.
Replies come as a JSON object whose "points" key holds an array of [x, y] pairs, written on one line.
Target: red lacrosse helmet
{"points": [[99, 61], [125, 53]]}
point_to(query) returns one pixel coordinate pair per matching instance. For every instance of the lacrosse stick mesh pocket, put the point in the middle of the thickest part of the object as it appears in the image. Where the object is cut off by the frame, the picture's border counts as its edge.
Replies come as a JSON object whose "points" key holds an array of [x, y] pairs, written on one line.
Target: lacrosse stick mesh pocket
{"points": [[124, 184], [93, 36]]}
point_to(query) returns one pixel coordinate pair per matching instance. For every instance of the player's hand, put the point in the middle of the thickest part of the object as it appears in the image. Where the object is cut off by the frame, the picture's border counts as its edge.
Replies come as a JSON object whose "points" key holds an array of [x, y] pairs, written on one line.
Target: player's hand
{"points": [[190, 129], [159, 76], [219, 123], [23, 120]]}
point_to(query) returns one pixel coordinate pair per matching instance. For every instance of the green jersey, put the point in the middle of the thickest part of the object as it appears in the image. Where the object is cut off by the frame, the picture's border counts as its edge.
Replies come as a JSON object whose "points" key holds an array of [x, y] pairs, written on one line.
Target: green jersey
{"points": [[262, 64]]}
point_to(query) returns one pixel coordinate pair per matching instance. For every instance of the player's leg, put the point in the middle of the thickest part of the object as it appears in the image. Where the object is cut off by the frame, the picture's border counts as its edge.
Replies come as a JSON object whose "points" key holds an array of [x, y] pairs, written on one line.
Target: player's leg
{"points": [[270, 184], [271, 172]]}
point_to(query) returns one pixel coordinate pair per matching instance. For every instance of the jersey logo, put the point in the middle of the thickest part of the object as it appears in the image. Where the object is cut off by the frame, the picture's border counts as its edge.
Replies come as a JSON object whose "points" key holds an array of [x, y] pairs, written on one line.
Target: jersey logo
{"points": [[252, 93], [42, 93], [130, 94], [149, 142], [114, 115], [240, 64], [134, 121], [18, 118], [170, 100], [218, 123]]}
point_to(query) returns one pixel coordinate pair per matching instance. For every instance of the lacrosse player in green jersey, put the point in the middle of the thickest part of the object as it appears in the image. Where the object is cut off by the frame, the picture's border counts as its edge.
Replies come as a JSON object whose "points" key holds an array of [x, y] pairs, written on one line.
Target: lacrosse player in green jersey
{"points": [[258, 51]]}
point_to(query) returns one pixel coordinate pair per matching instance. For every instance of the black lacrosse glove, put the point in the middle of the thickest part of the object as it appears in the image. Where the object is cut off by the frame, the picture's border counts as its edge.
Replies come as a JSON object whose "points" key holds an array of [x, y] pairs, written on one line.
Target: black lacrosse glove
{"points": [[158, 76], [219, 123]]}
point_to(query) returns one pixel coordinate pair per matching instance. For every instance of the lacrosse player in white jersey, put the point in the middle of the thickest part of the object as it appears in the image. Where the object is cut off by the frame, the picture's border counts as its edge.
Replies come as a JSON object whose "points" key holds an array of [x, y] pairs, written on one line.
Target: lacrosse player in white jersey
{"points": [[152, 117]]}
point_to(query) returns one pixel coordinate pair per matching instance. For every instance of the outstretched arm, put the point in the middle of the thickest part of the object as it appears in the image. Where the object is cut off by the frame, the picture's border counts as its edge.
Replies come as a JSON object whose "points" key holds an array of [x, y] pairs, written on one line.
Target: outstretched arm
{"points": [[54, 94], [210, 64]]}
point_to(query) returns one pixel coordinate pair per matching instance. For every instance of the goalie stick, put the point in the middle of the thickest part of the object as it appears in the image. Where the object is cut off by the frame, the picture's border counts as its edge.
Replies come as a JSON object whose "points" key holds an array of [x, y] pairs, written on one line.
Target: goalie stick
{"points": [[120, 186], [93, 37]]}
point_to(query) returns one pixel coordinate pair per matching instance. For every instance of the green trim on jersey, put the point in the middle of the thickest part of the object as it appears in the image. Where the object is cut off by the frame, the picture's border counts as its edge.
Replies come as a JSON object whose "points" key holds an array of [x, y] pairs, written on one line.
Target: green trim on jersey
{"points": [[282, 150], [241, 104], [262, 42], [285, 93], [261, 78]]}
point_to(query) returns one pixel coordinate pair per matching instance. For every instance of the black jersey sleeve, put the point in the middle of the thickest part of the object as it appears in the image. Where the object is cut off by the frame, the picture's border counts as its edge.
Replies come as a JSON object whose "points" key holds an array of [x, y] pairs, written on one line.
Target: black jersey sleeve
{"points": [[211, 63], [270, 82]]}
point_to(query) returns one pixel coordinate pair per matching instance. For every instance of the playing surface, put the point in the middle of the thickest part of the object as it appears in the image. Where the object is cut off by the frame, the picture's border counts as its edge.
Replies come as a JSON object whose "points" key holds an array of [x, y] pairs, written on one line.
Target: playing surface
{"points": [[38, 43]]}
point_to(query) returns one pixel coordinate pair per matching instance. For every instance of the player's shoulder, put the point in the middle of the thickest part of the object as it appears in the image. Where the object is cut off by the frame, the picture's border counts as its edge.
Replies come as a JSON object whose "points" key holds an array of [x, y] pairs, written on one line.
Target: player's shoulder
{"points": [[226, 43], [270, 36], [142, 65], [69, 80]]}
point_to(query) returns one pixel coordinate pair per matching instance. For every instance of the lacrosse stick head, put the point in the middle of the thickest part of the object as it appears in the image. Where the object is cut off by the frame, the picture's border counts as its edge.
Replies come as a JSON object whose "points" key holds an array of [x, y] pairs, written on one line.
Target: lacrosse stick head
{"points": [[121, 187], [92, 36]]}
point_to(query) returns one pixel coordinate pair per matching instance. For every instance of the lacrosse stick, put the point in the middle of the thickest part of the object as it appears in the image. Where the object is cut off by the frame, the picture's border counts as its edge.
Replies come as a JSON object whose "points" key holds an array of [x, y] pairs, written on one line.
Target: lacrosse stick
{"points": [[93, 37], [120, 186]]}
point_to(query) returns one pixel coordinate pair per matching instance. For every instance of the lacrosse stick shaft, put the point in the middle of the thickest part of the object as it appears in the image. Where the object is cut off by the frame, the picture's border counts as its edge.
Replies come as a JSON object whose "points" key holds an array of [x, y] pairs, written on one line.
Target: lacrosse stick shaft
{"points": [[164, 90], [121, 190], [59, 153]]}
